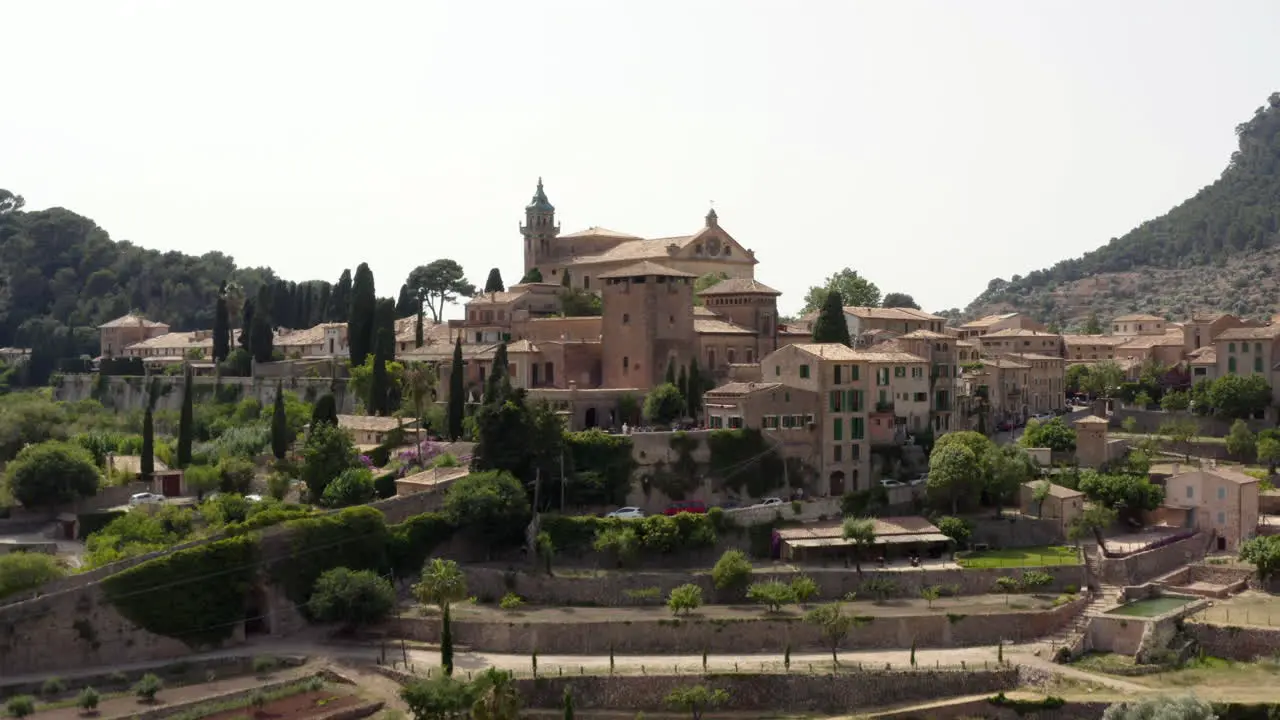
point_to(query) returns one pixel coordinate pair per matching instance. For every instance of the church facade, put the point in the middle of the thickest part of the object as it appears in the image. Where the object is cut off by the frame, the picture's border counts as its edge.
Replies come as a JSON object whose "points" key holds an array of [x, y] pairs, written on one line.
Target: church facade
{"points": [[590, 253]]}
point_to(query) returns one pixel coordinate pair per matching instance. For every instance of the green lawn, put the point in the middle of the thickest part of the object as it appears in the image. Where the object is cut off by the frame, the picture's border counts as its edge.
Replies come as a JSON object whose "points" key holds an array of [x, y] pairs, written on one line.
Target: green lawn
{"points": [[1020, 557]]}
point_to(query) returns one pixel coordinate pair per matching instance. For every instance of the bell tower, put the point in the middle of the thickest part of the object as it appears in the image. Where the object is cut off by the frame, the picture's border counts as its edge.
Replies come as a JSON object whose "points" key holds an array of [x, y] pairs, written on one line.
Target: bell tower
{"points": [[539, 230]]}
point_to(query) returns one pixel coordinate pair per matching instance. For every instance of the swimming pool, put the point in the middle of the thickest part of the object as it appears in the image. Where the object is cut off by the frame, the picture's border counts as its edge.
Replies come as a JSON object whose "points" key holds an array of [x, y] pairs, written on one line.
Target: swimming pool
{"points": [[1151, 607]]}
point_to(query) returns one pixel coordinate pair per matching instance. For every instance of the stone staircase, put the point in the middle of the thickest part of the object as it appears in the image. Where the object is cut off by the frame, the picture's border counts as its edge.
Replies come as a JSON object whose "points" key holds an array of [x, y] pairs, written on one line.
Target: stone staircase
{"points": [[1071, 633]]}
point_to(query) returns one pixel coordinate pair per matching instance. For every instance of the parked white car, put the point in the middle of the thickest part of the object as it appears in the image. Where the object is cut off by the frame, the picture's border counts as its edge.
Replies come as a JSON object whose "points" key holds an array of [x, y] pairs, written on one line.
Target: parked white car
{"points": [[922, 480], [145, 498], [253, 498], [887, 483], [627, 513], [769, 501]]}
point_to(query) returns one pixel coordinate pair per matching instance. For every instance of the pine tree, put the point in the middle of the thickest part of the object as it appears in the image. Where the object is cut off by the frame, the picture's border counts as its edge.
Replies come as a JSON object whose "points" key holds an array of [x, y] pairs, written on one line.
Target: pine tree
{"points": [[279, 425], [533, 276], [1092, 326], [325, 411], [494, 283], [446, 641], [696, 388], [360, 321], [148, 446], [830, 327], [456, 392], [185, 420], [338, 308], [221, 329]]}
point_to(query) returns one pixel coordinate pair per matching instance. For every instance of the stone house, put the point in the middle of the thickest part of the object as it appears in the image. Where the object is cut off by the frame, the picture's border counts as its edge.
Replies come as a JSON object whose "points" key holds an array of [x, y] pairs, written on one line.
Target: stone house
{"points": [[1204, 364], [997, 322], [943, 355], [1092, 347], [1138, 324], [369, 431], [1017, 340], [115, 336], [838, 381], [1214, 499], [1046, 382], [1002, 382], [1165, 348], [588, 254], [864, 322], [1249, 351], [1203, 328], [1062, 503], [174, 347]]}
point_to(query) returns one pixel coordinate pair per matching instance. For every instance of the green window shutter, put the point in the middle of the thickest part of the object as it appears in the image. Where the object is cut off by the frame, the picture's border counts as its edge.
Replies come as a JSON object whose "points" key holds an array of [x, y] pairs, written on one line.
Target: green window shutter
{"points": [[834, 399], [1257, 363], [1231, 365], [853, 373], [855, 429], [836, 379], [838, 425]]}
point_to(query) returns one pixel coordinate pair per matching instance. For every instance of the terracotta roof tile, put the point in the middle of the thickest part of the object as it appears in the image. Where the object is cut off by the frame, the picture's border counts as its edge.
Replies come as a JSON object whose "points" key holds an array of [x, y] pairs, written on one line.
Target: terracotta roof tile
{"points": [[644, 269], [987, 321], [1266, 332], [739, 286], [828, 351], [1138, 316], [132, 320], [718, 326], [737, 389], [1097, 340], [596, 231], [373, 423]]}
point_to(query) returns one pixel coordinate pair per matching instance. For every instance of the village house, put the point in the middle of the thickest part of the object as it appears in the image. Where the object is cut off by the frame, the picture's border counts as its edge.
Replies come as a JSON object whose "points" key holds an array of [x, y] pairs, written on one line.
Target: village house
{"points": [[995, 323], [1138, 324], [1061, 503], [1165, 348], [1221, 500], [1045, 384], [369, 431], [1018, 340], [119, 334], [1092, 347]]}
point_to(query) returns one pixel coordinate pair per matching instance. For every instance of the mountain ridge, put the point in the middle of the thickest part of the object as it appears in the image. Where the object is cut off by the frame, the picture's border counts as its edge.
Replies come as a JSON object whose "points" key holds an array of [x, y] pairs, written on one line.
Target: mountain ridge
{"points": [[1216, 251]]}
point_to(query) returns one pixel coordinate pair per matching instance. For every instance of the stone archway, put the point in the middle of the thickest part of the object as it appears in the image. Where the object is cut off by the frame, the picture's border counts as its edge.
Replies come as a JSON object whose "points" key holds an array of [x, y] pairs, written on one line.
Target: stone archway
{"points": [[590, 420], [837, 484]]}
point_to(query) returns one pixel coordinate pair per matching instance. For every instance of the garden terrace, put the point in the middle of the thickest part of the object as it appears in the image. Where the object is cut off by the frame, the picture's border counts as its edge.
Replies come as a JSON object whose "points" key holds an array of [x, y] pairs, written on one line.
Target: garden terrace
{"points": [[896, 538]]}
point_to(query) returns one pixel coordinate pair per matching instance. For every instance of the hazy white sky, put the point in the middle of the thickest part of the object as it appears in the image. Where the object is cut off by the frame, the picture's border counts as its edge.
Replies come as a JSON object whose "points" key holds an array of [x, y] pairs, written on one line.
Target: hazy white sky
{"points": [[930, 145]]}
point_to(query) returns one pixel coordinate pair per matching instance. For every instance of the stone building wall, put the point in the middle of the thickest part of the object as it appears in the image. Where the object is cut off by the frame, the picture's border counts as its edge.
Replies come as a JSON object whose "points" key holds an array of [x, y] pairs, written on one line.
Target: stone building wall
{"points": [[1144, 566], [1014, 531], [1232, 642], [612, 588], [1111, 633]]}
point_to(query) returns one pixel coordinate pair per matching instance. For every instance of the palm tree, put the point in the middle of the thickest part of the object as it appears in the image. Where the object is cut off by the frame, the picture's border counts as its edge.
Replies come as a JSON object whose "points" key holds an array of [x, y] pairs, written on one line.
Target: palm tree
{"points": [[499, 699], [442, 583], [420, 383], [860, 532]]}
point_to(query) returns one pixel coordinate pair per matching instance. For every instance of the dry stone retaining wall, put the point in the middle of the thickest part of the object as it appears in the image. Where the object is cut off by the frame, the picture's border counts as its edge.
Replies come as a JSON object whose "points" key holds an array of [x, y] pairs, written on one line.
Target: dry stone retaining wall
{"points": [[1150, 564], [694, 635], [795, 693], [1233, 642], [618, 588]]}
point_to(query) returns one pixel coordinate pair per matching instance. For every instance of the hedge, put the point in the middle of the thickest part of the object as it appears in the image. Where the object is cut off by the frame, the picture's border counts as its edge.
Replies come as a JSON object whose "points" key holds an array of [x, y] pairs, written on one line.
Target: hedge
{"points": [[658, 534], [354, 538], [744, 458], [93, 522], [384, 485], [412, 542], [197, 595]]}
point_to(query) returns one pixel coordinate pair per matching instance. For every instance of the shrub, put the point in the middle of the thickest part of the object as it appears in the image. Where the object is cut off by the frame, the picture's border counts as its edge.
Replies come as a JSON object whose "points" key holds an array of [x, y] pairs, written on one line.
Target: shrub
{"points": [[773, 594], [685, 599], [732, 570], [351, 597], [958, 529], [353, 487], [21, 706], [412, 542], [511, 601], [804, 588], [88, 700], [263, 665], [53, 686], [148, 687], [22, 571], [1035, 579]]}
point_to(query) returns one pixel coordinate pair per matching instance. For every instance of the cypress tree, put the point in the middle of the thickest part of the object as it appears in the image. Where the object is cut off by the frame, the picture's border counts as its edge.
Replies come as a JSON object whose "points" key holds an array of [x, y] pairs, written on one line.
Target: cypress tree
{"points": [[185, 421], [221, 329], [404, 305], [683, 383], [494, 282], [568, 703], [671, 373], [360, 321], [564, 279], [696, 388], [446, 641], [418, 338], [148, 446], [456, 392], [338, 308], [325, 411], [246, 324], [279, 425], [384, 321], [320, 307], [830, 327], [499, 381], [261, 334]]}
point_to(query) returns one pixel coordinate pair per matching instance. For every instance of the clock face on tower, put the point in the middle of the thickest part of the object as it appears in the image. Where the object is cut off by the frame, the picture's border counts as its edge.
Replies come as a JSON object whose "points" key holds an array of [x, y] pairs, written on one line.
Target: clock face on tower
{"points": [[713, 246]]}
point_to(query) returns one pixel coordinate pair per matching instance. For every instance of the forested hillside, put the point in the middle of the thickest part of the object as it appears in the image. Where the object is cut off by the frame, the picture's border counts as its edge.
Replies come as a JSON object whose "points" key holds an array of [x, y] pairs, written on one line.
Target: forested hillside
{"points": [[1215, 251], [61, 276]]}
